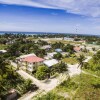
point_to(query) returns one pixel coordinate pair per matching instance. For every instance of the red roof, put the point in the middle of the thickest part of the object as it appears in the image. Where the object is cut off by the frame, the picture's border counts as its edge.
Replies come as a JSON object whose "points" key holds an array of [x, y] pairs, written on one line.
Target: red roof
{"points": [[77, 48], [32, 59]]}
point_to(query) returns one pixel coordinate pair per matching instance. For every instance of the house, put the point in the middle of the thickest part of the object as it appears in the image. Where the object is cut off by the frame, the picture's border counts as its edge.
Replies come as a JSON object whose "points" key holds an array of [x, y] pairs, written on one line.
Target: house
{"points": [[46, 47], [64, 53], [68, 39], [30, 60], [3, 51], [12, 95], [77, 49], [51, 62], [58, 50], [50, 55]]}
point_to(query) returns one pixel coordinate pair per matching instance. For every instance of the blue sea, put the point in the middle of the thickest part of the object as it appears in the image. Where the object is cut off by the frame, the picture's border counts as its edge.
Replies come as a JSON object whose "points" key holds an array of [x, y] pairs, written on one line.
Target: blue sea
{"points": [[42, 33]]}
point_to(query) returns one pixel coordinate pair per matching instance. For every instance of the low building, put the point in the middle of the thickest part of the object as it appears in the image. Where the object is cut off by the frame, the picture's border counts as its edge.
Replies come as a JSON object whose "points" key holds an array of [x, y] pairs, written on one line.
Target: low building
{"points": [[3, 51], [68, 39], [12, 95], [64, 53], [58, 50], [30, 60], [46, 47], [51, 62], [77, 49], [50, 55]]}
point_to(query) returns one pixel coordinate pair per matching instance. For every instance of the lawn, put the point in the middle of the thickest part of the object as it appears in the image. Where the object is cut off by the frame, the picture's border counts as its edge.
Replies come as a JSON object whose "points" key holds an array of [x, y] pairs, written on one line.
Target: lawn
{"points": [[2, 46], [63, 41], [50, 96], [70, 60]]}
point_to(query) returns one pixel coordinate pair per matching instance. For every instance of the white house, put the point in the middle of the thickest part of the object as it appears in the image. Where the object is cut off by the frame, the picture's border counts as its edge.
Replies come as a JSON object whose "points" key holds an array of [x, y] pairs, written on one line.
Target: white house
{"points": [[51, 62], [3, 51], [68, 39], [50, 55]]}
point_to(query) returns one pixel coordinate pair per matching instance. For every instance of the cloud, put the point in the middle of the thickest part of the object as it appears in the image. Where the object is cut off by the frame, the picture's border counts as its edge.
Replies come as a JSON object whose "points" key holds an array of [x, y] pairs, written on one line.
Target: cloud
{"points": [[81, 7]]}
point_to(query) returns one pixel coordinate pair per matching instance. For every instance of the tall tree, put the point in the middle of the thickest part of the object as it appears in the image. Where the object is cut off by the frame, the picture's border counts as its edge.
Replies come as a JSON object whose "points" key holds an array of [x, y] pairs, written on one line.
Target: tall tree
{"points": [[81, 62]]}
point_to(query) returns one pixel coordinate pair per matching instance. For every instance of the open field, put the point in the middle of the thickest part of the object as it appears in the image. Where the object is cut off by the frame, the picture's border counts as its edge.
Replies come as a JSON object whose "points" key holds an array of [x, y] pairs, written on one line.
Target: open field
{"points": [[2, 46], [70, 60]]}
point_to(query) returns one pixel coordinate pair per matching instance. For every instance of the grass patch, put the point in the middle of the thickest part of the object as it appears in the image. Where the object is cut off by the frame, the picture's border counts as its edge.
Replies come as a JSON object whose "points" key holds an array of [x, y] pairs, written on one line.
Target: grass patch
{"points": [[50, 96], [70, 60], [93, 72], [84, 87], [89, 88], [2, 46], [67, 86], [63, 41]]}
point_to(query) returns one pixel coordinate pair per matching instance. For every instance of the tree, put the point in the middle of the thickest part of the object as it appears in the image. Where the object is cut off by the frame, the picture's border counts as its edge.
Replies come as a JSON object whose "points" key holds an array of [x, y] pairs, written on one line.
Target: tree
{"points": [[81, 62], [58, 56], [68, 48], [42, 72], [3, 65], [59, 68]]}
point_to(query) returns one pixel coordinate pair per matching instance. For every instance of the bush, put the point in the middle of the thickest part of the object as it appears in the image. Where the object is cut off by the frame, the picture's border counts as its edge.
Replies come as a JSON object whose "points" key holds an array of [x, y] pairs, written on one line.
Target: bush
{"points": [[51, 96], [58, 56], [42, 72]]}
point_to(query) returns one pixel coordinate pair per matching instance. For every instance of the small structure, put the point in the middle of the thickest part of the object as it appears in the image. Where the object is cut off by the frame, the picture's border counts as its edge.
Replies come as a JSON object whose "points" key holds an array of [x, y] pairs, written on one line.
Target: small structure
{"points": [[12, 95], [68, 39], [64, 53], [46, 47], [58, 50], [30, 60], [50, 55], [77, 49], [3, 51], [50, 63]]}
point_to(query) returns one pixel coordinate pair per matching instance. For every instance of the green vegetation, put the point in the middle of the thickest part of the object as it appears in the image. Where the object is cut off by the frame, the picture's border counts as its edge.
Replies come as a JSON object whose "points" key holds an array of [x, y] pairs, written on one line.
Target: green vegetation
{"points": [[89, 88], [80, 89], [50, 96], [42, 72], [9, 79], [58, 56], [67, 86], [3, 46], [70, 60], [59, 68], [94, 64]]}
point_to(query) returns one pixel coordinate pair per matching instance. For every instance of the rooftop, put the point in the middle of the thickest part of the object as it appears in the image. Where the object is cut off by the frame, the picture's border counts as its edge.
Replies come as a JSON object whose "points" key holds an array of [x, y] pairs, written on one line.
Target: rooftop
{"points": [[50, 63], [33, 59]]}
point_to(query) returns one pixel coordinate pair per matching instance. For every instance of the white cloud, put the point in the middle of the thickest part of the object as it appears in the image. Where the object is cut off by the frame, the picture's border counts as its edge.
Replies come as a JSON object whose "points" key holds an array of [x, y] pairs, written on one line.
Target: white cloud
{"points": [[82, 7]]}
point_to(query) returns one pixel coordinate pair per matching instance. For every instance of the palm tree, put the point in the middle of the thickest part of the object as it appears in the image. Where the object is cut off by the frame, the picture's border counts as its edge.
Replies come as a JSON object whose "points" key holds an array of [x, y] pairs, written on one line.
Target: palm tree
{"points": [[3, 65], [81, 61]]}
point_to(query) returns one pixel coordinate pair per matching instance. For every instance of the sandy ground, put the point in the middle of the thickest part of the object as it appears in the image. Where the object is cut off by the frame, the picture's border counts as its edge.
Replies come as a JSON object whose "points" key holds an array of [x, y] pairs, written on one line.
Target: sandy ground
{"points": [[74, 70]]}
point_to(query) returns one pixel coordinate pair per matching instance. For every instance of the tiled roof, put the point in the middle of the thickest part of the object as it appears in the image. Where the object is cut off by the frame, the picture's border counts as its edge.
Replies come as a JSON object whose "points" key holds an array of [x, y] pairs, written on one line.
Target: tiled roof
{"points": [[77, 48], [32, 59]]}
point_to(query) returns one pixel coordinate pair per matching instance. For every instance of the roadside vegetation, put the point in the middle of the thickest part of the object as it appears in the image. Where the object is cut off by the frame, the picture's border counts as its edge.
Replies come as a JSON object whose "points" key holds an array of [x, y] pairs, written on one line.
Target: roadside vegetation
{"points": [[50, 96], [93, 66], [43, 72], [9, 79]]}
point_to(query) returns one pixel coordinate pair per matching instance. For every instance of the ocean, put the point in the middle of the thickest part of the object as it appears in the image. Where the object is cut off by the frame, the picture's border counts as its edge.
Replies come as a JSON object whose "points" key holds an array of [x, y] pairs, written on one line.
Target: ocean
{"points": [[44, 33]]}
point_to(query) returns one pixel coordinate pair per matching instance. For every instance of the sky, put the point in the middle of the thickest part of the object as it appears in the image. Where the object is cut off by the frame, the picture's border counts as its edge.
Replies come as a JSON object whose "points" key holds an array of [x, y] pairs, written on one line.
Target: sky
{"points": [[62, 16]]}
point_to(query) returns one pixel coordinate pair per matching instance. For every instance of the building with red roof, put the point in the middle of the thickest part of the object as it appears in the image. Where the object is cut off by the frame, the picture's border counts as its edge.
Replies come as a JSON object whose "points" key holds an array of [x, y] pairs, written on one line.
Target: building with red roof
{"points": [[31, 60], [77, 49]]}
